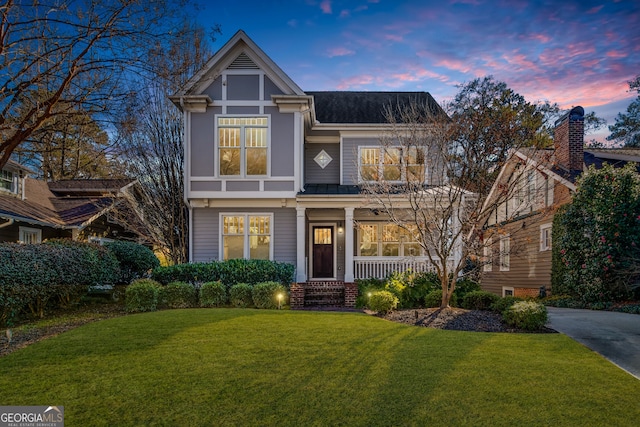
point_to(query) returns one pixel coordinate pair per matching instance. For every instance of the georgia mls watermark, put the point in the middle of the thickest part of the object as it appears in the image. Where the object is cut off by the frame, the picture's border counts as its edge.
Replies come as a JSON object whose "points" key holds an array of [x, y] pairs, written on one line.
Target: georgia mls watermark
{"points": [[31, 416]]}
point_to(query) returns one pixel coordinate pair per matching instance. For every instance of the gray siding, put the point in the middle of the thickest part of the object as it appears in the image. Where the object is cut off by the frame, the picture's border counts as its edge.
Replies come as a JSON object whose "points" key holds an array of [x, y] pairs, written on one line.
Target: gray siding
{"points": [[206, 232], [215, 89], [282, 142], [206, 186], [243, 110], [243, 87], [350, 157], [270, 88], [243, 186], [314, 174], [279, 185], [202, 143]]}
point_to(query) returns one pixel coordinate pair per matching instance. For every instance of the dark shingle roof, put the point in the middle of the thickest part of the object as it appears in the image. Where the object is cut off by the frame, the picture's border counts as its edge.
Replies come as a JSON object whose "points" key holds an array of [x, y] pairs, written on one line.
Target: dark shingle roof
{"points": [[366, 107], [329, 189]]}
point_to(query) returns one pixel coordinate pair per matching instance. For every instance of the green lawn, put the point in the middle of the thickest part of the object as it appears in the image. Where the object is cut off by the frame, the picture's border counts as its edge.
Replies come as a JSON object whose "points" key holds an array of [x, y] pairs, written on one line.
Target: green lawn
{"points": [[254, 367]]}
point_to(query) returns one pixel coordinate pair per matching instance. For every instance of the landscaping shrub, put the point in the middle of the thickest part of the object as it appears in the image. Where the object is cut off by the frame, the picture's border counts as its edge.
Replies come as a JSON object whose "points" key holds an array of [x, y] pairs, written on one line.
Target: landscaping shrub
{"points": [[504, 303], [527, 315], [479, 300], [178, 295], [142, 295], [213, 294], [383, 301], [228, 272], [465, 286], [434, 299], [136, 261], [240, 295], [366, 287], [265, 294], [411, 288]]}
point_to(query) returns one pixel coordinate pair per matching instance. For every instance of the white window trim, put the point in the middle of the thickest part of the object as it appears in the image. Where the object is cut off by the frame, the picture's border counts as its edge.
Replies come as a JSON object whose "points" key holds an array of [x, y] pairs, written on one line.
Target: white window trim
{"points": [[401, 242], [243, 174], [12, 180], [508, 288], [545, 244], [488, 256], [24, 230], [246, 215], [505, 255], [403, 166]]}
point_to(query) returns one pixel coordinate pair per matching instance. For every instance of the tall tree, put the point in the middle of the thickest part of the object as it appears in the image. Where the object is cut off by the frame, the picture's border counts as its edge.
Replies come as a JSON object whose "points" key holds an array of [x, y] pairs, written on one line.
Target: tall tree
{"points": [[75, 54], [437, 171], [627, 126], [151, 139]]}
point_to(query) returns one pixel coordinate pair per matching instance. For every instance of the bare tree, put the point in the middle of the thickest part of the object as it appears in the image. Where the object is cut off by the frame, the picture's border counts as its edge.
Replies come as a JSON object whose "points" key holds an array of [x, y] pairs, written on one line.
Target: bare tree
{"points": [[151, 140], [437, 172], [75, 55]]}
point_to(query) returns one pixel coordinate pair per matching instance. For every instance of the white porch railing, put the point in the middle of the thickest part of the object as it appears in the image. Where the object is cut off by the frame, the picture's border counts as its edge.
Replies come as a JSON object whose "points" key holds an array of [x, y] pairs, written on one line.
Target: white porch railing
{"points": [[379, 267]]}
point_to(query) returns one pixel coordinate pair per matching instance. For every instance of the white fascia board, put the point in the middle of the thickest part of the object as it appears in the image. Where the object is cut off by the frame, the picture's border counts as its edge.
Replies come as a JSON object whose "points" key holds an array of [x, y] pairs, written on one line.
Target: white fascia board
{"points": [[546, 170]]}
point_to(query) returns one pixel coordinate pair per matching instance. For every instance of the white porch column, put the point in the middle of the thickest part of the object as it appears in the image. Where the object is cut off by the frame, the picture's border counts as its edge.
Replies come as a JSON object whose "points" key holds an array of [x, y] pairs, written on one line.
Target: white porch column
{"points": [[348, 245], [301, 260]]}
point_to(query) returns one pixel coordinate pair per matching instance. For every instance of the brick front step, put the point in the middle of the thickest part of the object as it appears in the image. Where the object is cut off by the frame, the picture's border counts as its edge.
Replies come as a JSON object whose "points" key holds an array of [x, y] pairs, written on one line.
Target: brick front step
{"points": [[323, 294]]}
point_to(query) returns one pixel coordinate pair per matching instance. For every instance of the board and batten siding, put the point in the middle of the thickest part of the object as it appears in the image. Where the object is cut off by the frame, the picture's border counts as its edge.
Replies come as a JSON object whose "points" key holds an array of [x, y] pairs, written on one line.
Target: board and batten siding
{"points": [[314, 174], [206, 235]]}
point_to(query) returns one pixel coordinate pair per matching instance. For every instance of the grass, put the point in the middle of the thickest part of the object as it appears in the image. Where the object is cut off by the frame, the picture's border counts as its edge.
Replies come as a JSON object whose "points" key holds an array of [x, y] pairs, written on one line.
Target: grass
{"points": [[257, 367]]}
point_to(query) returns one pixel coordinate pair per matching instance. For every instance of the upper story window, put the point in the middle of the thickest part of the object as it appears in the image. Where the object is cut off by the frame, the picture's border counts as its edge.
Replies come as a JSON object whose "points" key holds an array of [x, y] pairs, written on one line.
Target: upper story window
{"points": [[545, 237], [505, 253], [6, 180], [388, 240], [30, 235], [392, 164], [242, 144]]}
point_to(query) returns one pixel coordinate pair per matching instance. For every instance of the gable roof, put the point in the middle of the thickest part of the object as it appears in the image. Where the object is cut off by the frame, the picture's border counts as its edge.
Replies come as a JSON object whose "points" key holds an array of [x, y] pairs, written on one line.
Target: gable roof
{"points": [[240, 50], [366, 107], [63, 204]]}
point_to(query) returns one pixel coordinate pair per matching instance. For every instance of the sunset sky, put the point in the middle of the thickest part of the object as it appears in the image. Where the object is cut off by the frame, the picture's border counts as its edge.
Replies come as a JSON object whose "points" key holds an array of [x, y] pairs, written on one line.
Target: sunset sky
{"points": [[569, 52]]}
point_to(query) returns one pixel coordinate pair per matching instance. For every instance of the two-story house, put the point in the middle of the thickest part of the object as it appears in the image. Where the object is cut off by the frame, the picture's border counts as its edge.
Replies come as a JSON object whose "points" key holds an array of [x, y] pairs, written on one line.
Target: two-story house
{"points": [[518, 235], [275, 172]]}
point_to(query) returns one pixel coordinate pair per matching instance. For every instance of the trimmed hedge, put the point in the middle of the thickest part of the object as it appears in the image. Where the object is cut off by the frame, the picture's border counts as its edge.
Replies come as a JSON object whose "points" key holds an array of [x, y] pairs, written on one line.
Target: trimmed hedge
{"points": [[479, 300], [240, 295], [231, 272], [178, 295], [55, 274], [136, 261], [213, 294], [142, 295], [265, 295], [434, 299], [501, 305]]}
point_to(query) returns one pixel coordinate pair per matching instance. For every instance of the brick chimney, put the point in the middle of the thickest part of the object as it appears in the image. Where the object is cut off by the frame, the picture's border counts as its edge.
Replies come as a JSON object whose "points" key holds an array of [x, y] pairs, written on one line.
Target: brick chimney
{"points": [[569, 140]]}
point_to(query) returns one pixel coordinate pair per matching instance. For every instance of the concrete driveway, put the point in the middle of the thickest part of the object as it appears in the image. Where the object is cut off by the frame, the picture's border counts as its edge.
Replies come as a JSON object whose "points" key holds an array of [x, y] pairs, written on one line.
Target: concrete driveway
{"points": [[616, 336]]}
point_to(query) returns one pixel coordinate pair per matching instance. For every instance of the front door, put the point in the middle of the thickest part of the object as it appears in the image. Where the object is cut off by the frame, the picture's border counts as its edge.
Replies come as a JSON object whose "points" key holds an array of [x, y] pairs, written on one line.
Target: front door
{"points": [[322, 252]]}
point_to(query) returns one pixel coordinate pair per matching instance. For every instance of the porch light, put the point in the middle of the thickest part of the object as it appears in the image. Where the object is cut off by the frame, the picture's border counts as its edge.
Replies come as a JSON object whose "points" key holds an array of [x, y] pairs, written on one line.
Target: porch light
{"points": [[340, 229], [280, 296]]}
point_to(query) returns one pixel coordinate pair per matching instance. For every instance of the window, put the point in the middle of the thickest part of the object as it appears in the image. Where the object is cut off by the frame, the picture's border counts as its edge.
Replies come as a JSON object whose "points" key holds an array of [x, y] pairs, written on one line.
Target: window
{"points": [[545, 237], [246, 236], [505, 253], [6, 180], [488, 256], [242, 144], [388, 240], [507, 291], [393, 164], [30, 235]]}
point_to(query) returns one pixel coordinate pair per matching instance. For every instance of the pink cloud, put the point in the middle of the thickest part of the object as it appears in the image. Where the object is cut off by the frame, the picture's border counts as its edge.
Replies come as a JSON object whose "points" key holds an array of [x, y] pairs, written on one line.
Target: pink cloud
{"points": [[454, 65], [616, 54], [394, 37], [542, 38], [595, 9], [355, 81], [339, 51], [325, 6]]}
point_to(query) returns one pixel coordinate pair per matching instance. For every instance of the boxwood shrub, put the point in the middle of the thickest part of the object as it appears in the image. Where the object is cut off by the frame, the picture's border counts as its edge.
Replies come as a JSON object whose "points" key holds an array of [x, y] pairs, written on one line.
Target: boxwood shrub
{"points": [[383, 301], [213, 294], [265, 295], [479, 300], [504, 303], [434, 299], [240, 295], [178, 295], [528, 315], [142, 295]]}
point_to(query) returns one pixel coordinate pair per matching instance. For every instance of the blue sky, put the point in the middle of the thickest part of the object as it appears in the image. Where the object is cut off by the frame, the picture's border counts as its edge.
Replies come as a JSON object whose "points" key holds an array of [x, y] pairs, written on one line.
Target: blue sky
{"points": [[569, 52]]}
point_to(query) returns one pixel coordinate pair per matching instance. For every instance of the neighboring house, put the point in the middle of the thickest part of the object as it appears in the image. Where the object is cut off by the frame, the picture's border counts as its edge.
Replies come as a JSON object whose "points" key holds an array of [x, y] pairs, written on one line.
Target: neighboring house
{"points": [[518, 238], [32, 210], [274, 172]]}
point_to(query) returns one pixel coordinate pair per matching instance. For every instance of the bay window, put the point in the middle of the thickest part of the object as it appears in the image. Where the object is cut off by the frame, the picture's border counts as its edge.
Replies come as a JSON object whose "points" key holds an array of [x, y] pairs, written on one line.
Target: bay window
{"points": [[242, 144], [246, 236]]}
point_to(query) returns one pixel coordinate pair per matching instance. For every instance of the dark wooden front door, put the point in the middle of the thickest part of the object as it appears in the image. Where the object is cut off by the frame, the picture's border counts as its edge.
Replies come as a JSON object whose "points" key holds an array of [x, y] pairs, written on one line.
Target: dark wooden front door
{"points": [[322, 252]]}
